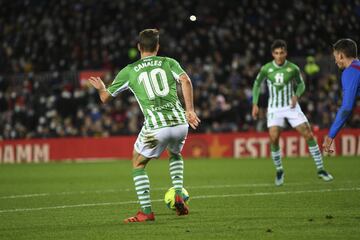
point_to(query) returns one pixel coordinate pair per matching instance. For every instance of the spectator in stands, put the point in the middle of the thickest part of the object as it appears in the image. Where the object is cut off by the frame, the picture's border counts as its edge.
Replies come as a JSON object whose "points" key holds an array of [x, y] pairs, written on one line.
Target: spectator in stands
{"points": [[45, 43]]}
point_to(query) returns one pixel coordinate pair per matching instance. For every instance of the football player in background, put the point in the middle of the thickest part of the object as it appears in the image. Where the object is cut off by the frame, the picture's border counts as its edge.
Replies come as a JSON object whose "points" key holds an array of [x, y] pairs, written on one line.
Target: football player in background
{"points": [[285, 85], [345, 53]]}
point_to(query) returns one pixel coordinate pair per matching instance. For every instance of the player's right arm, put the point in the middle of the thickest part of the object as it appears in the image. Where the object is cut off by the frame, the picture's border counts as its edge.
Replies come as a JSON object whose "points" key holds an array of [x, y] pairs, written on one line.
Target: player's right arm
{"points": [[256, 92], [120, 84], [100, 86], [350, 83]]}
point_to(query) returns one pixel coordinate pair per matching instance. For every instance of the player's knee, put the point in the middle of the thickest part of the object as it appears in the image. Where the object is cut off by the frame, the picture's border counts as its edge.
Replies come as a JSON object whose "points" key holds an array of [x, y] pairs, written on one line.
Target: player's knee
{"points": [[274, 134], [138, 164], [274, 139], [308, 135], [139, 161]]}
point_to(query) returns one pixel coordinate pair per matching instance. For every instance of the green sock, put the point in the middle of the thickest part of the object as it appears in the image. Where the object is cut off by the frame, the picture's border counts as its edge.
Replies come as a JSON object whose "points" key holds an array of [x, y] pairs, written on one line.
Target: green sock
{"points": [[315, 153], [142, 188], [176, 167], [274, 148], [276, 156]]}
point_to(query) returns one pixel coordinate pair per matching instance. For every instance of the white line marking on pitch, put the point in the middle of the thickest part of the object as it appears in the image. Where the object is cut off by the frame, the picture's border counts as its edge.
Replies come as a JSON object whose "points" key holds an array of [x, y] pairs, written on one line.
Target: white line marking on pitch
{"points": [[30, 195], [195, 197]]}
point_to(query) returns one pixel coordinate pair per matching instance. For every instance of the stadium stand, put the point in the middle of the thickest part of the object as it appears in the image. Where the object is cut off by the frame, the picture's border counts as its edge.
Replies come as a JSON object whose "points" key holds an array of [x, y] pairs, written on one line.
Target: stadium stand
{"points": [[45, 44]]}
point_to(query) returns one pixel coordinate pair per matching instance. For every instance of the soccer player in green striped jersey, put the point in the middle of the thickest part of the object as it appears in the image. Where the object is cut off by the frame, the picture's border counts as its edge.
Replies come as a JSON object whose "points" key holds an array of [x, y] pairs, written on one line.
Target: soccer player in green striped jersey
{"points": [[285, 85], [152, 79]]}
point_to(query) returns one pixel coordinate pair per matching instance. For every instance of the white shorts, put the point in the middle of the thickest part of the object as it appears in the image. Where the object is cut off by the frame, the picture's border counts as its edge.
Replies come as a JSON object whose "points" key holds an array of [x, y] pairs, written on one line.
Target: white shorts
{"points": [[294, 116], [151, 143]]}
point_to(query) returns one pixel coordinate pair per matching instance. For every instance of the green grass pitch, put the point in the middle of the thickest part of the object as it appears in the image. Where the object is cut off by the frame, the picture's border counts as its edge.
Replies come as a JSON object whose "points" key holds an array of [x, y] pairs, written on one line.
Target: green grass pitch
{"points": [[230, 199]]}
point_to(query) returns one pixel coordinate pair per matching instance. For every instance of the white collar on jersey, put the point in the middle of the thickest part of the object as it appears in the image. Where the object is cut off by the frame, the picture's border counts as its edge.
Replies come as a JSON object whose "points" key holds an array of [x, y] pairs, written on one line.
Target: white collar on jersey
{"points": [[278, 66], [149, 56]]}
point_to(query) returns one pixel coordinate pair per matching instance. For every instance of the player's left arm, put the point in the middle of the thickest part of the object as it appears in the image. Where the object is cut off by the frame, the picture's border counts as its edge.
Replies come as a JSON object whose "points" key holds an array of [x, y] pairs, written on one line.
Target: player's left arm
{"points": [[186, 86], [120, 84], [187, 90], [350, 83], [300, 87]]}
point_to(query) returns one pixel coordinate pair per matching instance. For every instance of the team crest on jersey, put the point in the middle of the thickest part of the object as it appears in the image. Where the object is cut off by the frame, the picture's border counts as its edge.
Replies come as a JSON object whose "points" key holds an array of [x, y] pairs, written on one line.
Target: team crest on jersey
{"points": [[271, 70], [288, 69]]}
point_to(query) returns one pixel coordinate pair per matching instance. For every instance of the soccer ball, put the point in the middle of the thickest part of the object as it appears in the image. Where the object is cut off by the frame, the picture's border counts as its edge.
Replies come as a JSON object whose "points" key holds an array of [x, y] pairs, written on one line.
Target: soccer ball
{"points": [[170, 197]]}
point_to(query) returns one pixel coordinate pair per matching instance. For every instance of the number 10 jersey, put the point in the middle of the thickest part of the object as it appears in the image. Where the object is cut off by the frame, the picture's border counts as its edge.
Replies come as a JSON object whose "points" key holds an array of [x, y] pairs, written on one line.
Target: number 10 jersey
{"points": [[153, 82]]}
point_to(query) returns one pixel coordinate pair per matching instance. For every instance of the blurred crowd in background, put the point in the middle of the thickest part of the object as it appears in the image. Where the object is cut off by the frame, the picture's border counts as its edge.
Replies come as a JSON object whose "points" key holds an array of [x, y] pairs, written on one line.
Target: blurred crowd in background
{"points": [[45, 44]]}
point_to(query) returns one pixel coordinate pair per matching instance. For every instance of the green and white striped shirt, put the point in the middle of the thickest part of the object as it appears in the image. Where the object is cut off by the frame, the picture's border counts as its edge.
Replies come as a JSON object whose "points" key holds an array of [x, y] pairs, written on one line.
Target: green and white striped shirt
{"points": [[153, 82], [281, 82]]}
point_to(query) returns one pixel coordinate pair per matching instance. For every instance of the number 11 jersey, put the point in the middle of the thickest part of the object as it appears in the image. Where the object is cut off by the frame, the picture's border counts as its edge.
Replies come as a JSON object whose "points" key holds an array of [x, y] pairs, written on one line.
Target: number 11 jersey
{"points": [[283, 82]]}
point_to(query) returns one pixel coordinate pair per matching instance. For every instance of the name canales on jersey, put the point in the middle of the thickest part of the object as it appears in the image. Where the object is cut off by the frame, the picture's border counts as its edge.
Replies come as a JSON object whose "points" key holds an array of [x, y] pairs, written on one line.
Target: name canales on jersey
{"points": [[147, 64]]}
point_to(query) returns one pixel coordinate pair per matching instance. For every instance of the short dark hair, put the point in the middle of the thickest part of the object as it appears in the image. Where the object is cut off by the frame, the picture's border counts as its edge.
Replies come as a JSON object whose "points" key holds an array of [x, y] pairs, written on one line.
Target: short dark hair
{"points": [[346, 46], [148, 40], [278, 43]]}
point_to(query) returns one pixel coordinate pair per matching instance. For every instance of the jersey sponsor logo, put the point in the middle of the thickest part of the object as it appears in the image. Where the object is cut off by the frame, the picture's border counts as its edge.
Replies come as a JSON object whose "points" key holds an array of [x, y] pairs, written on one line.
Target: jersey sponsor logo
{"points": [[154, 63], [160, 108], [271, 70]]}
